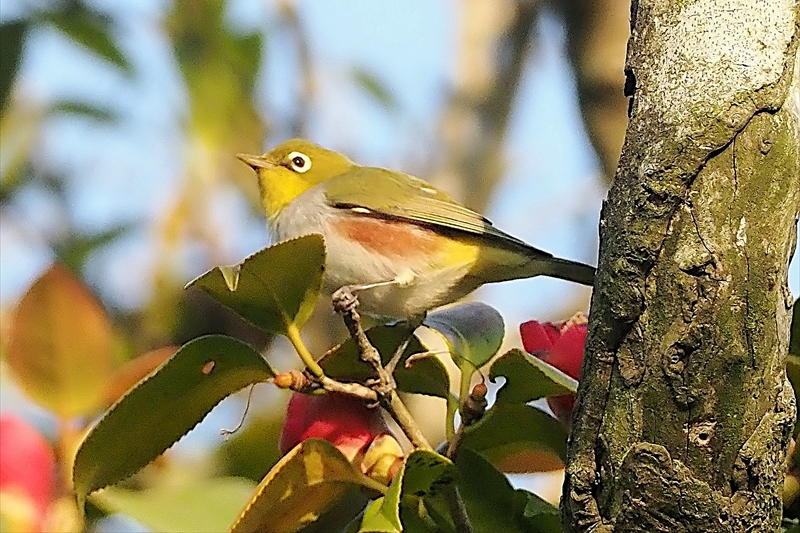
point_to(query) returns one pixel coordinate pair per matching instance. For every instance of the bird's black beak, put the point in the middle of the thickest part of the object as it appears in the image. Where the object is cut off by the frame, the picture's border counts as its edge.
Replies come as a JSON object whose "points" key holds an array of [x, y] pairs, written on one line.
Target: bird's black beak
{"points": [[254, 161]]}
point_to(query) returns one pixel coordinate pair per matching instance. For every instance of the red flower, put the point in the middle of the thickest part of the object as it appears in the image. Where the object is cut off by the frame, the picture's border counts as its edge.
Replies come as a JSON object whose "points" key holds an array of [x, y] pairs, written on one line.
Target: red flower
{"points": [[340, 419], [27, 467], [559, 345]]}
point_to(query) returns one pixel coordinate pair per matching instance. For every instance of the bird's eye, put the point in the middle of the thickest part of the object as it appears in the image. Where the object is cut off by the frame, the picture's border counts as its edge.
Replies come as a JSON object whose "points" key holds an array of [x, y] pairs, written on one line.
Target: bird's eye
{"points": [[299, 162]]}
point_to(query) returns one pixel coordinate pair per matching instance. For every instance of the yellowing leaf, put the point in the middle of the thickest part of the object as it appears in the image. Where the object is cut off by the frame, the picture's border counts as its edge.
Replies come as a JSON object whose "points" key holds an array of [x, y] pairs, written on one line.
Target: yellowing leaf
{"points": [[60, 346], [275, 288], [163, 407], [310, 480]]}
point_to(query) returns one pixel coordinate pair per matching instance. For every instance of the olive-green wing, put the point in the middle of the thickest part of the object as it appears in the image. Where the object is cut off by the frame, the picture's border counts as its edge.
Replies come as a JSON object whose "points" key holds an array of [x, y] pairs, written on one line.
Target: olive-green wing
{"points": [[397, 195]]}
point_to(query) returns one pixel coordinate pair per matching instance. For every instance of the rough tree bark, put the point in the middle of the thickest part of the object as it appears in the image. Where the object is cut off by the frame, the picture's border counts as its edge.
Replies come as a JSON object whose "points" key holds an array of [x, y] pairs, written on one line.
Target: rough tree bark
{"points": [[684, 410]]}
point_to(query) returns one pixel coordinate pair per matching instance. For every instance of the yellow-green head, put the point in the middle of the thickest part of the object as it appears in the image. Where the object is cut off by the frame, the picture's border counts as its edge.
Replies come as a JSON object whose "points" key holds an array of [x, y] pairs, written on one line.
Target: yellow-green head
{"points": [[290, 169]]}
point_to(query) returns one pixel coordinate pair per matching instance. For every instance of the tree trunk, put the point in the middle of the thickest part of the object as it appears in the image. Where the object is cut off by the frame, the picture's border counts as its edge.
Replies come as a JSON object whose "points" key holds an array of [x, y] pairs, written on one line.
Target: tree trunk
{"points": [[684, 411]]}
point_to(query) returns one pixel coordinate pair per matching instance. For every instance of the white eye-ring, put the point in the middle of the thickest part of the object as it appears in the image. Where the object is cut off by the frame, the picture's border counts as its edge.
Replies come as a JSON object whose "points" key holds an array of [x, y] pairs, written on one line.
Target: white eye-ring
{"points": [[299, 162]]}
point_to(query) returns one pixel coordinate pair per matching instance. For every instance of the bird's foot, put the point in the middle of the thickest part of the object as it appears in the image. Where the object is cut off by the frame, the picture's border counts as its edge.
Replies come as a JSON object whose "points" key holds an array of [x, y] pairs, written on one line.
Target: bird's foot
{"points": [[344, 299]]}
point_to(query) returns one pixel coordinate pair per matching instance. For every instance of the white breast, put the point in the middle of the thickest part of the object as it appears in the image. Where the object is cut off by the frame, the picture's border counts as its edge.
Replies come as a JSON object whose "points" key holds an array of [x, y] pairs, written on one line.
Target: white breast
{"points": [[425, 283]]}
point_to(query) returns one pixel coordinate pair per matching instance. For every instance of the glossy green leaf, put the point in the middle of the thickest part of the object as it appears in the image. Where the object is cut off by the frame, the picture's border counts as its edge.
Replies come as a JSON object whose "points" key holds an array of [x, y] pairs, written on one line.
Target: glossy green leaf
{"points": [[473, 332], [203, 506], [529, 378], [163, 407], [60, 345], [425, 375], [88, 28], [493, 505], [309, 481], [275, 288], [12, 36], [508, 429]]}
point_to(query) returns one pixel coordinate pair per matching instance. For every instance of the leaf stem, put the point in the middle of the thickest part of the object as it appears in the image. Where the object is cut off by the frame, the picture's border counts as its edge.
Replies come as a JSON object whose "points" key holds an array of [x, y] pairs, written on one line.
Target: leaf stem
{"points": [[293, 334]]}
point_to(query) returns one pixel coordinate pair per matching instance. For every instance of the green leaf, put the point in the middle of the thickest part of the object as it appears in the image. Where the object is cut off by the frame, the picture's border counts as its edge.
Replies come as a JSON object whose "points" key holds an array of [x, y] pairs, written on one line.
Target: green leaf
{"points": [[82, 109], [425, 375], [493, 505], [12, 37], [88, 28], [274, 289], [60, 345], [312, 480], [473, 332], [163, 407], [529, 378], [509, 429], [794, 340], [202, 506], [373, 87]]}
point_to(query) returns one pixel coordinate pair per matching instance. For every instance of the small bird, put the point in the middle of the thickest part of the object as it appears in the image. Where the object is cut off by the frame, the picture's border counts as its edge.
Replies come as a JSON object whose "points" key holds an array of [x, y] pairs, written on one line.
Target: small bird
{"points": [[403, 244]]}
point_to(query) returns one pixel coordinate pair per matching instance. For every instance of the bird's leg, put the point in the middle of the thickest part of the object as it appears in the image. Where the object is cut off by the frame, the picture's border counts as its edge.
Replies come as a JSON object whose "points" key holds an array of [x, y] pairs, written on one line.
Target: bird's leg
{"points": [[344, 298], [413, 324], [345, 303]]}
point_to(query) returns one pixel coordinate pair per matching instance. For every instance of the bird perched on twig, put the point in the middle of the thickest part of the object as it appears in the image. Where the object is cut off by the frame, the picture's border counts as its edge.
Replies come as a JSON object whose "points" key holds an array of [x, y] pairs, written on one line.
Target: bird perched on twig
{"points": [[403, 244]]}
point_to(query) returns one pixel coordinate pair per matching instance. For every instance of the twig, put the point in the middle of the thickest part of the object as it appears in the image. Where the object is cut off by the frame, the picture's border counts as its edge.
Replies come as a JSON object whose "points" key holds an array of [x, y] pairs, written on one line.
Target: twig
{"points": [[345, 304], [458, 510]]}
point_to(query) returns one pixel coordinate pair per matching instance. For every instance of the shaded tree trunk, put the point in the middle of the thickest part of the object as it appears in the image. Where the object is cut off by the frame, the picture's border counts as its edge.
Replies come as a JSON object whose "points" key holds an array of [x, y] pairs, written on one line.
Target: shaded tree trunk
{"points": [[684, 411]]}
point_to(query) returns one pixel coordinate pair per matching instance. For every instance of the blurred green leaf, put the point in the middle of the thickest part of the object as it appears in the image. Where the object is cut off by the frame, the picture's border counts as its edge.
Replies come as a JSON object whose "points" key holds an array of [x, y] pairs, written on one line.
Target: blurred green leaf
{"points": [[202, 506], [529, 378], [425, 375], [253, 450], [12, 37], [509, 429], [163, 407], [309, 481], [88, 28], [374, 87], [60, 345], [494, 505], [82, 109], [473, 332], [274, 289], [75, 249]]}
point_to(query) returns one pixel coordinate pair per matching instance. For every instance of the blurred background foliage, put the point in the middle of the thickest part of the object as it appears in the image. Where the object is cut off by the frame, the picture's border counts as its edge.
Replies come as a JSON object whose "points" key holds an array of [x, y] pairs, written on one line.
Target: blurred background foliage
{"points": [[119, 125]]}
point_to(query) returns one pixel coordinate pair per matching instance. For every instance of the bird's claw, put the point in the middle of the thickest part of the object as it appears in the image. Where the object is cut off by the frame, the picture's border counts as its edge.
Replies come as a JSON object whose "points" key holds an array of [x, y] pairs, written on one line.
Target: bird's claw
{"points": [[344, 300]]}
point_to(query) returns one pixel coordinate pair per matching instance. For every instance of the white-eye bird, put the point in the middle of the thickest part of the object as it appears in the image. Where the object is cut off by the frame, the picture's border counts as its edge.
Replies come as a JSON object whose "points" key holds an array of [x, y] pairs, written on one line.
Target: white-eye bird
{"points": [[403, 244]]}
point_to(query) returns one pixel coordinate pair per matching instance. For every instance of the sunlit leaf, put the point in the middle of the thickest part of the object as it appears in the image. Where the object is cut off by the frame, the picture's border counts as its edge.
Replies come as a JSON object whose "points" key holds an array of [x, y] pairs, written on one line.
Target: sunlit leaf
{"points": [[493, 505], [12, 36], [473, 332], [163, 407], [203, 506], [508, 429], [88, 28], [275, 288], [311, 479], [422, 375], [60, 346], [383, 514], [529, 378]]}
